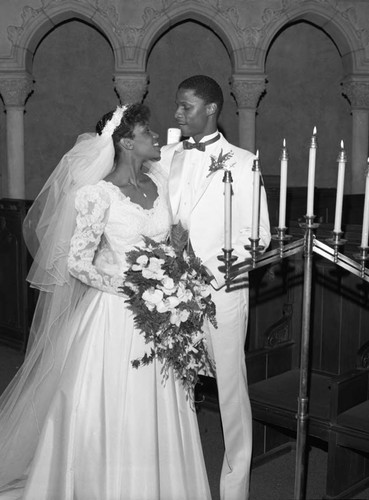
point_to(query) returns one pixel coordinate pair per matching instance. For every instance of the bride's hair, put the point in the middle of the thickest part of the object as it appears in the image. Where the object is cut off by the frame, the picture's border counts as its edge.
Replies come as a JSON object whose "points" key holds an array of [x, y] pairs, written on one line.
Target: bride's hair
{"points": [[134, 114]]}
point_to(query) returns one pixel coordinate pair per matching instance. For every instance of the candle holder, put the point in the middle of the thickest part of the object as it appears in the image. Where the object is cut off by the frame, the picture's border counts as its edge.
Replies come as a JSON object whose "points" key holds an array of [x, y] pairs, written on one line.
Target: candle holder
{"points": [[336, 241], [281, 237], [228, 260], [255, 249], [281, 234], [362, 257], [309, 222], [308, 245]]}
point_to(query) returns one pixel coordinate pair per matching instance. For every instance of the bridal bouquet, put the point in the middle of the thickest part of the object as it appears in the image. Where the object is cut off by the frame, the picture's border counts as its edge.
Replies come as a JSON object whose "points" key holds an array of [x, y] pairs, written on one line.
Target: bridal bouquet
{"points": [[170, 299]]}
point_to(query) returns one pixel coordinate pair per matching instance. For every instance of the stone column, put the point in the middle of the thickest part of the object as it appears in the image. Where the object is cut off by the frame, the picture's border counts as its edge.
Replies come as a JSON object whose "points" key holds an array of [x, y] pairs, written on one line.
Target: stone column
{"points": [[131, 87], [247, 91], [358, 94], [14, 90]]}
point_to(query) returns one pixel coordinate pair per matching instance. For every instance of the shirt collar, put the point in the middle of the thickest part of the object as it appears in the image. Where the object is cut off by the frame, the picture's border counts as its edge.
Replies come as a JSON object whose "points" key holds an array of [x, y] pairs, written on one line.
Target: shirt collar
{"points": [[205, 138]]}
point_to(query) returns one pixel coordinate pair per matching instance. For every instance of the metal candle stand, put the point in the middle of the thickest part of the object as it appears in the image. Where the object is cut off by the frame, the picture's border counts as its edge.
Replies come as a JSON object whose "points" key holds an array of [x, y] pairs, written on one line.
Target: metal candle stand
{"points": [[308, 245]]}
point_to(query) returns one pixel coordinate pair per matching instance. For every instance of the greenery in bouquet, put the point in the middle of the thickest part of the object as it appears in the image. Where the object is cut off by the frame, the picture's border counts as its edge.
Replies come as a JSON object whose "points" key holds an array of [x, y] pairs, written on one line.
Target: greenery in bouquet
{"points": [[170, 298]]}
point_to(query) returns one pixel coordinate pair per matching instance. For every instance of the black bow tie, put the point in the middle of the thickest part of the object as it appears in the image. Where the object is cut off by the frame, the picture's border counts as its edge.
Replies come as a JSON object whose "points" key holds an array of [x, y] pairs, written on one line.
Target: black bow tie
{"points": [[200, 145]]}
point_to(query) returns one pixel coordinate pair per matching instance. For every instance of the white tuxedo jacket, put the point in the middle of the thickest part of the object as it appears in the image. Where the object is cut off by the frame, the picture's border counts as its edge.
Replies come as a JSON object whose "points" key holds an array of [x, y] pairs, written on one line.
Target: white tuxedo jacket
{"points": [[206, 214]]}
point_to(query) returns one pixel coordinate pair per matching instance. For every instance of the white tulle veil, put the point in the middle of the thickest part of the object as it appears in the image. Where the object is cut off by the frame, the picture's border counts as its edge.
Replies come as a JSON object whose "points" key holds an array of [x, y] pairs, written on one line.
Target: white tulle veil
{"points": [[48, 229]]}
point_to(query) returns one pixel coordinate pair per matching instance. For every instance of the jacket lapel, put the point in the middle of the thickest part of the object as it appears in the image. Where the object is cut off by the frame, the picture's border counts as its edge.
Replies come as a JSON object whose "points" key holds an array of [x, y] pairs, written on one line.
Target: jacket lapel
{"points": [[214, 176], [202, 189]]}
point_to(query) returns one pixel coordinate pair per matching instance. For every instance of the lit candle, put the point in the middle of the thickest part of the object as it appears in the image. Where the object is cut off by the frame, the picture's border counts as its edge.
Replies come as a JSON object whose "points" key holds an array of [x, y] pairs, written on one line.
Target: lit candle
{"points": [[340, 182], [173, 135], [364, 235], [311, 175], [227, 210], [255, 199], [283, 187]]}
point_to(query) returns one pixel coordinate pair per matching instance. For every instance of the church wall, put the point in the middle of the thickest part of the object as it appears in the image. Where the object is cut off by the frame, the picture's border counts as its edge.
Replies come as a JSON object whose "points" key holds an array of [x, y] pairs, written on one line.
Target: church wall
{"points": [[74, 66], [73, 70]]}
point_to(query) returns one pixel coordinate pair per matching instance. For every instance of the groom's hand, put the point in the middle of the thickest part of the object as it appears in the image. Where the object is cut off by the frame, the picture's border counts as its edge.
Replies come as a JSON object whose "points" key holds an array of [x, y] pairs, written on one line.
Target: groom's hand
{"points": [[207, 275]]}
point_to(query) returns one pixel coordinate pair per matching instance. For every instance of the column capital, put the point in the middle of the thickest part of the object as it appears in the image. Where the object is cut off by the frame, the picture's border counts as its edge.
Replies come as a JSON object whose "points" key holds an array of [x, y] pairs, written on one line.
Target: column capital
{"points": [[357, 93], [131, 87], [15, 88], [247, 90]]}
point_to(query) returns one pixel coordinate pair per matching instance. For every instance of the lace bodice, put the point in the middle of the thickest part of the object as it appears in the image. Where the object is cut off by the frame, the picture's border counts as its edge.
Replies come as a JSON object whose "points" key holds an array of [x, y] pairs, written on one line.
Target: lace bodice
{"points": [[108, 225]]}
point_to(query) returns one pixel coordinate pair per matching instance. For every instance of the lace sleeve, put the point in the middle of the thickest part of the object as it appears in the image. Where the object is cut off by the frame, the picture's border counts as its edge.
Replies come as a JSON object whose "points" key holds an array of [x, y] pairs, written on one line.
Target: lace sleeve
{"points": [[92, 205]]}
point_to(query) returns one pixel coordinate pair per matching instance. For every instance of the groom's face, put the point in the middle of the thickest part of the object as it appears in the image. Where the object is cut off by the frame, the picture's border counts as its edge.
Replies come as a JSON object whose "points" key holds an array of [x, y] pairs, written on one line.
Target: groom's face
{"points": [[192, 114]]}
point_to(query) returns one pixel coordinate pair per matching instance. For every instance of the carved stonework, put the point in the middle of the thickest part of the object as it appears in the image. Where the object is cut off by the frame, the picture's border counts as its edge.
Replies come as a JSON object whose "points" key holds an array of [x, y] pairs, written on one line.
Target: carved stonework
{"points": [[357, 93], [131, 88], [15, 89], [255, 35], [247, 41], [247, 92], [132, 36]]}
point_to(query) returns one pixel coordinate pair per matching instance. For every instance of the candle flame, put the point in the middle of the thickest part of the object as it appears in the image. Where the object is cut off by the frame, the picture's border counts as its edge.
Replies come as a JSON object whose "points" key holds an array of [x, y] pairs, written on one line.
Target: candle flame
{"points": [[284, 143], [342, 145], [314, 131], [257, 154]]}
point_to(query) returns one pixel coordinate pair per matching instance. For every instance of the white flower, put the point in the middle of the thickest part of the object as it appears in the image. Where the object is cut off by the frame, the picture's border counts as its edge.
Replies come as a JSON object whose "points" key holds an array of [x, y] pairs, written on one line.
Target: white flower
{"points": [[141, 263], [152, 297], [172, 302], [177, 317], [162, 307], [132, 286], [154, 270], [168, 250], [168, 304], [203, 290], [183, 293], [168, 286], [169, 342]]}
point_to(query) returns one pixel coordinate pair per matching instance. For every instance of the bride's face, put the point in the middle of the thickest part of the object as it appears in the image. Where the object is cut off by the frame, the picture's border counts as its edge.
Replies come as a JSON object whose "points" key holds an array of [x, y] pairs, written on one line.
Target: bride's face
{"points": [[145, 142]]}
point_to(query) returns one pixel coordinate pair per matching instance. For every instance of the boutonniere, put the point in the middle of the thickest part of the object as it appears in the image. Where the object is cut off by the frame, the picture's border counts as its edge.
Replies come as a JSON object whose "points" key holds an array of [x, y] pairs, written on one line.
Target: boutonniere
{"points": [[220, 163]]}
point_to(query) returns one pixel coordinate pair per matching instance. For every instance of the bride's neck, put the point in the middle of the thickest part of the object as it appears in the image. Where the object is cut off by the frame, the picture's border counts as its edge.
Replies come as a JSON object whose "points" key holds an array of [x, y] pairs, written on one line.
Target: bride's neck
{"points": [[126, 173]]}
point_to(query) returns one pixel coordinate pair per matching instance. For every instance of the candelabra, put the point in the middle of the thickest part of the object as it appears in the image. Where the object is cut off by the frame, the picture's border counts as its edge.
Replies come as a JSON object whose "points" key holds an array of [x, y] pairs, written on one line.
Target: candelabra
{"points": [[308, 245]]}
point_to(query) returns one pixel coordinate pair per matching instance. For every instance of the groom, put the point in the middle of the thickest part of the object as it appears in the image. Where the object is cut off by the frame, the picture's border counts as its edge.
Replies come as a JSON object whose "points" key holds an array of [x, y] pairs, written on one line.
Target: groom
{"points": [[197, 200]]}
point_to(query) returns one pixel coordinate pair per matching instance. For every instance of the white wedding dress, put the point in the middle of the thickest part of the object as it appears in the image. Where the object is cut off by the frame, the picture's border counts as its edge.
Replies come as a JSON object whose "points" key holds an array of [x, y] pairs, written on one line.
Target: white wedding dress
{"points": [[108, 431]]}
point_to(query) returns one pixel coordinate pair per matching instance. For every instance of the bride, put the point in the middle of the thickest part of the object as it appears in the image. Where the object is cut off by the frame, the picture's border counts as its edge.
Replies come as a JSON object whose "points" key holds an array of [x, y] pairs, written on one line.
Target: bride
{"points": [[78, 422]]}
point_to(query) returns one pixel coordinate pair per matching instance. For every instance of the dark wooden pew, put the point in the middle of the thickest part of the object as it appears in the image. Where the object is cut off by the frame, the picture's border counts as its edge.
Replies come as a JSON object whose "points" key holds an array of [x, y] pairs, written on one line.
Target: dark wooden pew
{"points": [[348, 441]]}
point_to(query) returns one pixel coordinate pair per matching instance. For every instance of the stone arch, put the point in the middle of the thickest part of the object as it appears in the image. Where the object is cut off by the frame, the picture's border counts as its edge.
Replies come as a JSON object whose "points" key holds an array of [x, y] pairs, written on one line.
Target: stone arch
{"points": [[38, 22], [158, 22], [337, 24], [131, 45]]}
